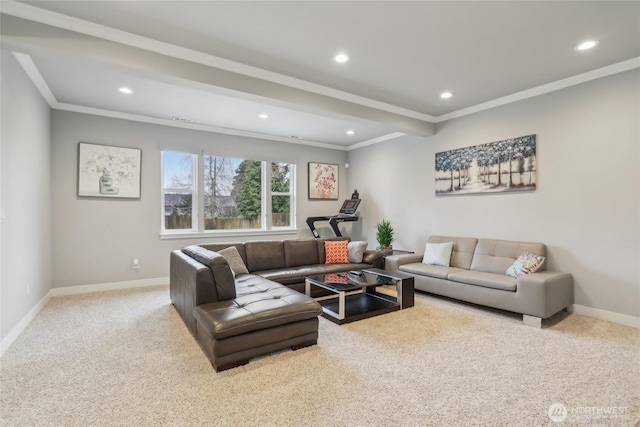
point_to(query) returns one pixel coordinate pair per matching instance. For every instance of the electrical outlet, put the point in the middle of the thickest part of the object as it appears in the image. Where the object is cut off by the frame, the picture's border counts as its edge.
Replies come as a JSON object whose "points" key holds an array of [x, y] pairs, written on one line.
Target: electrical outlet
{"points": [[28, 289], [136, 263]]}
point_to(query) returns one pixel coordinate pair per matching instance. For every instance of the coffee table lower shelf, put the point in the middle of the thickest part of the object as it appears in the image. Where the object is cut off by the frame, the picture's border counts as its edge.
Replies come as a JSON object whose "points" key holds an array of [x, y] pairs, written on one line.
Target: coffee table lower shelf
{"points": [[357, 307]]}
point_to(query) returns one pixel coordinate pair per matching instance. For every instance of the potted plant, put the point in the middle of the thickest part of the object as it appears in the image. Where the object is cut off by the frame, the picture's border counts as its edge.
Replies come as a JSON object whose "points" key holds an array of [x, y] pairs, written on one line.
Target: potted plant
{"points": [[385, 237]]}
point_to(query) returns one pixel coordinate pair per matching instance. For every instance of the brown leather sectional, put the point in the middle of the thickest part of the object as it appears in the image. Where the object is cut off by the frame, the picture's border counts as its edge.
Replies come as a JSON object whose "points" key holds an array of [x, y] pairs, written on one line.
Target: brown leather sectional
{"points": [[237, 318]]}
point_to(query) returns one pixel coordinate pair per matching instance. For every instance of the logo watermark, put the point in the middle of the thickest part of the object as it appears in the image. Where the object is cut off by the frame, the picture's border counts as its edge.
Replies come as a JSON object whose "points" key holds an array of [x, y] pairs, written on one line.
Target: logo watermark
{"points": [[559, 412]]}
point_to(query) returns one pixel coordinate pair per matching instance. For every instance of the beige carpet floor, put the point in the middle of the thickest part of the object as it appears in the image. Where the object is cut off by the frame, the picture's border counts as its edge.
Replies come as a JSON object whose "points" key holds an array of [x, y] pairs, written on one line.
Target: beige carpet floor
{"points": [[124, 358]]}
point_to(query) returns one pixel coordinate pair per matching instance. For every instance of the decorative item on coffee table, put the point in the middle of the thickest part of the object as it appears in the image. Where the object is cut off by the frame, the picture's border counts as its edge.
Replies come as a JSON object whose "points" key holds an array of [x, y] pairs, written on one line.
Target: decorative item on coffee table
{"points": [[384, 237]]}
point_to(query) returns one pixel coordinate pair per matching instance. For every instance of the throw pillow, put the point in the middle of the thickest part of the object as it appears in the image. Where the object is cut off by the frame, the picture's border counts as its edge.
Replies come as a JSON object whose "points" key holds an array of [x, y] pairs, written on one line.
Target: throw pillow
{"points": [[234, 260], [356, 251], [336, 252], [525, 264], [438, 253]]}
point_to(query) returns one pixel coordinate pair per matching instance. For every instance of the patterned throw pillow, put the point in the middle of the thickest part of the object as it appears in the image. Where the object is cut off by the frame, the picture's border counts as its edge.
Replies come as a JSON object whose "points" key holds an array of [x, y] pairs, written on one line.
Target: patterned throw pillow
{"points": [[336, 252], [525, 264]]}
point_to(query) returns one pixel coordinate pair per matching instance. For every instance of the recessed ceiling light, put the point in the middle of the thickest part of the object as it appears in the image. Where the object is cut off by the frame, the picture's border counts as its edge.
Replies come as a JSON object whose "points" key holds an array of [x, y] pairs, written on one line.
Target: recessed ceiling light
{"points": [[446, 95], [341, 58], [586, 45], [181, 119], [351, 132], [125, 90], [263, 116]]}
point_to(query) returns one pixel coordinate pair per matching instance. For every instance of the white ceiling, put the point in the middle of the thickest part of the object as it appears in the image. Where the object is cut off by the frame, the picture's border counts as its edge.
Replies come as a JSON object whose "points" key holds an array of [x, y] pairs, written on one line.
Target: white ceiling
{"points": [[276, 57]]}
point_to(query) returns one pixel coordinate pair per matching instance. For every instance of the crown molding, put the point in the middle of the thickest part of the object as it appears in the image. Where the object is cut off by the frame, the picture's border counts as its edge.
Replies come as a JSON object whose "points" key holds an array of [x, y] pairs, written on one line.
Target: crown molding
{"points": [[192, 126], [609, 70], [32, 71]]}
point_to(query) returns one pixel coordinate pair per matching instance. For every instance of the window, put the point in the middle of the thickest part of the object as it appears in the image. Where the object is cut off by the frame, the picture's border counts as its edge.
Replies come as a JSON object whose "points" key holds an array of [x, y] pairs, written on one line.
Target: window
{"points": [[178, 195], [281, 195], [233, 194]]}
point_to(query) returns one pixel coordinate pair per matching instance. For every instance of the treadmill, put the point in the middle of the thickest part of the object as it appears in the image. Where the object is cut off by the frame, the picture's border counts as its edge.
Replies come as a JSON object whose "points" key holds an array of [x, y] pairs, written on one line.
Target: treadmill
{"points": [[347, 214]]}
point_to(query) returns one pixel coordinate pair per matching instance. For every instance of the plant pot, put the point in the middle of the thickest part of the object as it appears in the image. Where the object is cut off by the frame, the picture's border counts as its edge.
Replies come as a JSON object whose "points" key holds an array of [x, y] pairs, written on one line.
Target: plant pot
{"points": [[386, 250]]}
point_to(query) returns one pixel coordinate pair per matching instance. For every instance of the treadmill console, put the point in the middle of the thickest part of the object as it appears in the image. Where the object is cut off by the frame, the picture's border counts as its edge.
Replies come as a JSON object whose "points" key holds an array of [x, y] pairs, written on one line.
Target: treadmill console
{"points": [[350, 206]]}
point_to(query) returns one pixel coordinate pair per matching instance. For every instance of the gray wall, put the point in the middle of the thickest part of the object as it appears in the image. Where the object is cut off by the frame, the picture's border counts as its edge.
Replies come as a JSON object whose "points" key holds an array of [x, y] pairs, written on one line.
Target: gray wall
{"points": [[586, 206], [95, 240], [25, 196]]}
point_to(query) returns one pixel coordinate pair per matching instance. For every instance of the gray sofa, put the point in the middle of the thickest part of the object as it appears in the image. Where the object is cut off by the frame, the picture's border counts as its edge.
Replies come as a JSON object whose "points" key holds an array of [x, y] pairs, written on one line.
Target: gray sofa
{"points": [[476, 274], [236, 315]]}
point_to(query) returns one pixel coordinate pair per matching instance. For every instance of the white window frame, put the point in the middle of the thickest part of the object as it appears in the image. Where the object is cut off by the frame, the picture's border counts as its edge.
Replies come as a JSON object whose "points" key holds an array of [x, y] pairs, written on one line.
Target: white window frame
{"points": [[292, 197], [193, 191]]}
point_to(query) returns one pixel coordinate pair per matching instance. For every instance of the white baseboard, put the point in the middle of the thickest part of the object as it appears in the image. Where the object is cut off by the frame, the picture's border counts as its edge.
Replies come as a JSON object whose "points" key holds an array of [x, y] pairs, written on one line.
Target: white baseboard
{"points": [[72, 290], [22, 325], [99, 287], [623, 319]]}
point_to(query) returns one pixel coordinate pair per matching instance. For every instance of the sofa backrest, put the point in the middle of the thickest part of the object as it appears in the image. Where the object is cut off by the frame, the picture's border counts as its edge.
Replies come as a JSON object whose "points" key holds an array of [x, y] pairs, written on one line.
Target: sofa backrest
{"points": [[264, 255], [463, 249], [496, 256], [224, 283], [300, 252]]}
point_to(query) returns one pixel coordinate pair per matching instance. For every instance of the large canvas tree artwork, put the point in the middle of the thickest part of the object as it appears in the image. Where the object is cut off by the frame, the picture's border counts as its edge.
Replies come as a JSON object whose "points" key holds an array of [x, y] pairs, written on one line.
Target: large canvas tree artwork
{"points": [[501, 166]]}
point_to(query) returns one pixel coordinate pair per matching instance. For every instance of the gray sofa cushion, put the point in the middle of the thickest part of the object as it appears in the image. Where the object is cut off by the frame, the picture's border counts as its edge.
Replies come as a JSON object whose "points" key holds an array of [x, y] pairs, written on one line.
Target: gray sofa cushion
{"points": [[429, 270], [496, 256], [484, 279]]}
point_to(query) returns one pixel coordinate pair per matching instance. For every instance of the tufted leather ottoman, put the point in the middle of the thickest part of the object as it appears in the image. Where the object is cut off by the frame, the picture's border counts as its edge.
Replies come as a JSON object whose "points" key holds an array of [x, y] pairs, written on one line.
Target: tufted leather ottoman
{"points": [[263, 317]]}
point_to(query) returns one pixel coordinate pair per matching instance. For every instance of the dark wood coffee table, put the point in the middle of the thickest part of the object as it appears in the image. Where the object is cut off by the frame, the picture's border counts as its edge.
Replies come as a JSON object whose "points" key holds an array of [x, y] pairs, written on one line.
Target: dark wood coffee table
{"points": [[356, 296]]}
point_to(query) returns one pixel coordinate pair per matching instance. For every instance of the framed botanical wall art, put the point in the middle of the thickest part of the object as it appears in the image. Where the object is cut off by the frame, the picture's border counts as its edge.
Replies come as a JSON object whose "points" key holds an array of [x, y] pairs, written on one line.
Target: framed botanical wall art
{"points": [[496, 167], [106, 171], [323, 181]]}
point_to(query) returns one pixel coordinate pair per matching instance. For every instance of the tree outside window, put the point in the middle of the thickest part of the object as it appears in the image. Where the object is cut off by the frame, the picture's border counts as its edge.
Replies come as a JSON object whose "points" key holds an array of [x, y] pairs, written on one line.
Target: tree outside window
{"points": [[178, 191]]}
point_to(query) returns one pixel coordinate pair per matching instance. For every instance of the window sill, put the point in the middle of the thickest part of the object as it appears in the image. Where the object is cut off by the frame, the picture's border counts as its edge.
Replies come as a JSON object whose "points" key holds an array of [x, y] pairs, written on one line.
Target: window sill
{"points": [[226, 233]]}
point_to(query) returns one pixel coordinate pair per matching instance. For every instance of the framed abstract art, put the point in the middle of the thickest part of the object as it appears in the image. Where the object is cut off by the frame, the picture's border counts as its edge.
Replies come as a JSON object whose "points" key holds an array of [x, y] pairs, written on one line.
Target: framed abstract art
{"points": [[323, 181]]}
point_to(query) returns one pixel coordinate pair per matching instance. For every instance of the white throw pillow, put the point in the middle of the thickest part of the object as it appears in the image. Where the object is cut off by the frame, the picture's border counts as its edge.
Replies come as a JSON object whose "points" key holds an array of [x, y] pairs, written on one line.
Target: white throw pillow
{"points": [[438, 254], [356, 251]]}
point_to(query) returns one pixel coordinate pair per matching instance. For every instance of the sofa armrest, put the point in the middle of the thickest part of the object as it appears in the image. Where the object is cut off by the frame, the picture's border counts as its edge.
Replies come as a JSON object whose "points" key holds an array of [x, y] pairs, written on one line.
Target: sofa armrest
{"points": [[222, 276], [393, 262], [546, 292], [190, 283]]}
